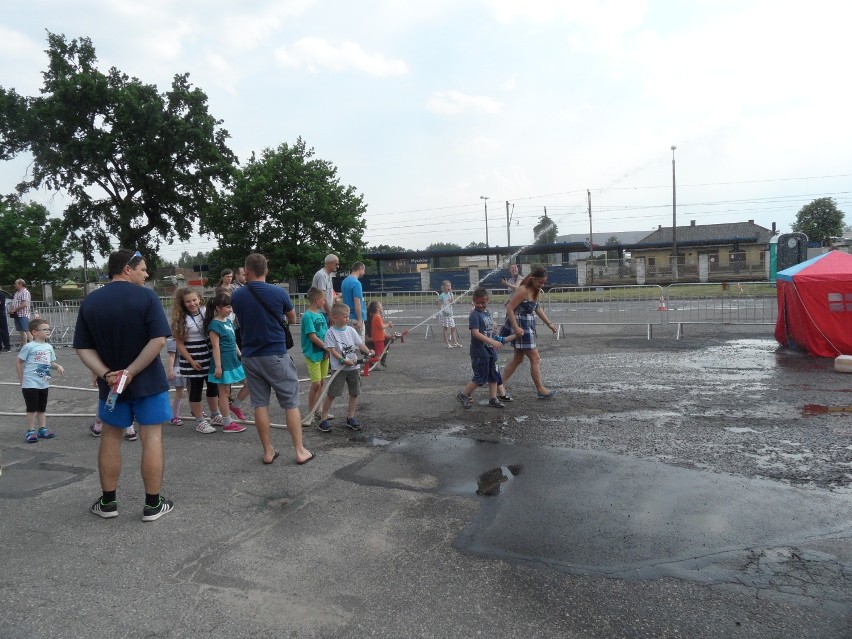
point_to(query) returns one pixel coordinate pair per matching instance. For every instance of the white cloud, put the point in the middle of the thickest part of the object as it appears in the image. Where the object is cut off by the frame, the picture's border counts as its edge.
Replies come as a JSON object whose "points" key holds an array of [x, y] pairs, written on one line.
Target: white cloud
{"points": [[510, 82], [455, 102], [316, 55], [226, 74], [21, 58], [249, 30]]}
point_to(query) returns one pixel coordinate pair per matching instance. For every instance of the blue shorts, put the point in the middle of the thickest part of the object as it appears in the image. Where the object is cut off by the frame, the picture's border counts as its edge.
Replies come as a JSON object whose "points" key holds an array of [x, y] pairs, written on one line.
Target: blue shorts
{"points": [[22, 324], [147, 411], [268, 373], [484, 370]]}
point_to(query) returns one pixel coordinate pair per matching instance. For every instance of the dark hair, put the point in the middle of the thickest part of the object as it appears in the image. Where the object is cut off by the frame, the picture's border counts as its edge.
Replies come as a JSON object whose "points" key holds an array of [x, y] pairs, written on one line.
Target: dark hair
{"points": [[357, 266], [372, 310], [480, 293], [120, 259], [225, 271], [217, 301]]}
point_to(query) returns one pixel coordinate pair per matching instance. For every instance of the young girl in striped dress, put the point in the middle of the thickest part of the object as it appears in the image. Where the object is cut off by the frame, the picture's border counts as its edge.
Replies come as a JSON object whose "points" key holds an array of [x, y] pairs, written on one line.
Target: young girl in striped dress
{"points": [[194, 349]]}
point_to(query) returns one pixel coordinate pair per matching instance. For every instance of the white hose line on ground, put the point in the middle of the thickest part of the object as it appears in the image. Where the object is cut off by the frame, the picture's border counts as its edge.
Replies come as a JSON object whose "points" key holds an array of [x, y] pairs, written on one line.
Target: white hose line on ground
{"points": [[321, 397], [249, 422]]}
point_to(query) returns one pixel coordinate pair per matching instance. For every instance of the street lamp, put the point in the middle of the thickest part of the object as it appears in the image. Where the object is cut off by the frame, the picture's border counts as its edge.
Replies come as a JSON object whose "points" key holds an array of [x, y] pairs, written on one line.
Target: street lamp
{"points": [[674, 216], [487, 256]]}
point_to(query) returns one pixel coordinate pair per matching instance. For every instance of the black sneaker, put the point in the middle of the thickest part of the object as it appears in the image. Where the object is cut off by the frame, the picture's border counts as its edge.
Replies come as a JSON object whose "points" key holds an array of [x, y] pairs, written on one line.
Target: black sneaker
{"points": [[505, 398], [496, 403], [152, 513], [324, 426], [352, 424], [107, 511]]}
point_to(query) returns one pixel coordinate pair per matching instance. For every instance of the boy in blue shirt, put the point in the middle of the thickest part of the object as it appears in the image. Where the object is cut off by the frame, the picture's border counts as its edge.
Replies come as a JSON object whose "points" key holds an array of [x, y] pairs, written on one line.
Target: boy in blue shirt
{"points": [[483, 352], [33, 365]]}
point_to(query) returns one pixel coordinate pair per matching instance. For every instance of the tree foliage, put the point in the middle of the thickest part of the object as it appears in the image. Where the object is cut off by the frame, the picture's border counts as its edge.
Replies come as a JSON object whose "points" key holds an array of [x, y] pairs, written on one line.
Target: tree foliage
{"points": [[545, 230], [820, 220], [139, 166], [386, 248], [32, 245], [445, 262], [612, 244], [291, 207]]}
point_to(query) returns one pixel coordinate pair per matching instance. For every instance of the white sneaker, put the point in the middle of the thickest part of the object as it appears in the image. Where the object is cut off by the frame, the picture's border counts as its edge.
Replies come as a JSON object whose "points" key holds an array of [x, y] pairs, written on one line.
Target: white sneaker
{"points": [[307, 420], [220, 420], [204, 427]]}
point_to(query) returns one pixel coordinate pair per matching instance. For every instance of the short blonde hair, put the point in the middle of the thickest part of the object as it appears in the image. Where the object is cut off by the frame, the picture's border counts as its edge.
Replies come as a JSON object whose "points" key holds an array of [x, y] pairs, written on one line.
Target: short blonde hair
{"points": [[340, 309]]}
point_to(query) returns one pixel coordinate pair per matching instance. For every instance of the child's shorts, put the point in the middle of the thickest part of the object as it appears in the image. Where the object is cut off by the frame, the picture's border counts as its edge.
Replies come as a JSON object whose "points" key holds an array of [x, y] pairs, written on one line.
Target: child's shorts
{"points": [[484, 370], [148, 411], [179, 381], [448, 321], [317, 371], [35, 399], [351, 378]]}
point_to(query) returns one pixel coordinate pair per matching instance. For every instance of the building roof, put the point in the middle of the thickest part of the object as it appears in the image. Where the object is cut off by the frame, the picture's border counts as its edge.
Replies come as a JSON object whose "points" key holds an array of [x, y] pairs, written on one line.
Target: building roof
{"points": [[723, 233]]}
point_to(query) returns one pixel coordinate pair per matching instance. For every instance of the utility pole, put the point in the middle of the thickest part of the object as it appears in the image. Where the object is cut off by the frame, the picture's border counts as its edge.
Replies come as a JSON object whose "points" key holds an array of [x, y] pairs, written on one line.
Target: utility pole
{"points": [[674, 218], [508, 228], [590, 270], [484, 198], [591, 243]]}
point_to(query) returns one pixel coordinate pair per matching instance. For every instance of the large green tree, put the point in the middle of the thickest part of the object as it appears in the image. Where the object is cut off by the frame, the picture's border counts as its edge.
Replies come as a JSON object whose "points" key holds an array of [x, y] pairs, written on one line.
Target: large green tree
{"points": [[33, 246], [820, 220], [290, 206], [139, 166]]}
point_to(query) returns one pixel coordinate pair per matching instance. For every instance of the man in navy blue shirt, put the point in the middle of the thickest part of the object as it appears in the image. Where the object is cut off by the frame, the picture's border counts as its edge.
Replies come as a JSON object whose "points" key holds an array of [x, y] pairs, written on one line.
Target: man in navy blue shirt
{"points": [[122, 327], [260, 308]]}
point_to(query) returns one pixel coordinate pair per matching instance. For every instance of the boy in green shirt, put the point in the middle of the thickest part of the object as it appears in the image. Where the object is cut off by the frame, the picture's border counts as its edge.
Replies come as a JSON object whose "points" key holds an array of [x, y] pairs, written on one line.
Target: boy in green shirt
{"points": [[314, 328]]}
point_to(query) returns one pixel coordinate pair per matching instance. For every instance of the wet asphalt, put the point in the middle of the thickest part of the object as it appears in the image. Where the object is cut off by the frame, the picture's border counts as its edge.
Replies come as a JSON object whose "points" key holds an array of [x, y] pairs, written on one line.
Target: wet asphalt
{"points": [[692, 488]]}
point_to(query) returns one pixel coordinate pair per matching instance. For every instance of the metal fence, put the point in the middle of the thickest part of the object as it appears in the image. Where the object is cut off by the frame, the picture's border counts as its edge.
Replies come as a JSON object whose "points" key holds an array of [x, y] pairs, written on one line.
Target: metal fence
{"points": [[747, 303], [606, 305], [62, 317], [414, 309]]}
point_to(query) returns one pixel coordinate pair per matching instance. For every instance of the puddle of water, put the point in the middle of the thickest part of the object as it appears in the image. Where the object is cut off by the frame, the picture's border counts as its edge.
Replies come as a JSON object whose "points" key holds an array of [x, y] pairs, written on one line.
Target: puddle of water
{"points": [[489, 482]]}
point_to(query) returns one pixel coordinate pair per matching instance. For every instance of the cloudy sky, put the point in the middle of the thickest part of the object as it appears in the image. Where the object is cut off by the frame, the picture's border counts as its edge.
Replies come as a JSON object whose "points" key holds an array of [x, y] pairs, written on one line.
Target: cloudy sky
{"points": [[426, 107]]}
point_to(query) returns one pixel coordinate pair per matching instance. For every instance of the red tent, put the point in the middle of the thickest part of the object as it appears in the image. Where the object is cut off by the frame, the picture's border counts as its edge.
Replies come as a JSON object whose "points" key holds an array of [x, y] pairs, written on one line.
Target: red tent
{"points": [[815, 305]]}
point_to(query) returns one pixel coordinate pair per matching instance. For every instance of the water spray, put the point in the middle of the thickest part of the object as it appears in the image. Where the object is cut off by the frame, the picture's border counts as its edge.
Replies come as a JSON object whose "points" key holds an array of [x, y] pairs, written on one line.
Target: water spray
{"points": [[470, 290]]}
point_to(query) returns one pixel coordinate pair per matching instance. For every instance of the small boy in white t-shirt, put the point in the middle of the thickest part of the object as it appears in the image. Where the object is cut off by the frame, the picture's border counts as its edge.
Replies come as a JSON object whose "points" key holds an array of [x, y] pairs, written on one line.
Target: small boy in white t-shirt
{"points": [[343, 343], [33, 365]]}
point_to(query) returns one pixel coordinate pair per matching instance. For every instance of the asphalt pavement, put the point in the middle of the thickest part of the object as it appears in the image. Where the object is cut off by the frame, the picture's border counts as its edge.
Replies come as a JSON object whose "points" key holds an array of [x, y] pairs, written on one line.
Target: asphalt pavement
{"points": [[692, 488]]}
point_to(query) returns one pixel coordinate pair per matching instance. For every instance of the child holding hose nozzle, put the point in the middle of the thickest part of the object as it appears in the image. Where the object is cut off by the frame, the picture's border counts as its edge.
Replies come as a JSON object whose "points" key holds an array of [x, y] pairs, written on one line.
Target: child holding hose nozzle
{"points": [[343, 343], [377, 335]]}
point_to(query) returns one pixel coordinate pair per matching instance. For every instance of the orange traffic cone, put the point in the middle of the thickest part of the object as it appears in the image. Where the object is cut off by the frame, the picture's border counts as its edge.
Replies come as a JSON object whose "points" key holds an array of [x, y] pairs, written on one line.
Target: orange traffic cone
{"points": [[661, 306]]}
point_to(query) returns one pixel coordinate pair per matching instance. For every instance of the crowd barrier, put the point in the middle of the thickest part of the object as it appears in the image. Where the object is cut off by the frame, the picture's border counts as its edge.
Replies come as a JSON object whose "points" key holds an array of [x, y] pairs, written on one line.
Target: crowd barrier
{"points": [[640, 305], [62, 317], [745, 303]]}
